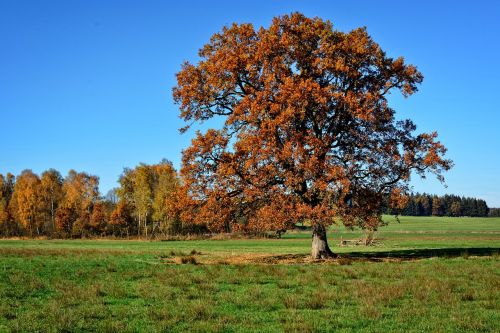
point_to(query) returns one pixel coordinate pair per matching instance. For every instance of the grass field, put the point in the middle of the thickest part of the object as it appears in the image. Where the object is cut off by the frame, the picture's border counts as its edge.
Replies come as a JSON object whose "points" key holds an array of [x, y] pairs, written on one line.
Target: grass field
{"points": [[423, 274]]}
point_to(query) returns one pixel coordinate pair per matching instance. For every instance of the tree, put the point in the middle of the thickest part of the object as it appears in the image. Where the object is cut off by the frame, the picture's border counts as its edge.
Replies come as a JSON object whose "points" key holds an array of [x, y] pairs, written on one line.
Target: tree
{"points": [[307, 133], [165, 186], [121, 219], [483, 208], [7, 185], [424, 205], [7, 225], [148, 192], [437, 206], [410, 207], [98, 218], [26, 202], [125, 195], [65, 217], [455, 208], [136, 188], [51, 194], [143, 195], [4, 218], [81, 191]]}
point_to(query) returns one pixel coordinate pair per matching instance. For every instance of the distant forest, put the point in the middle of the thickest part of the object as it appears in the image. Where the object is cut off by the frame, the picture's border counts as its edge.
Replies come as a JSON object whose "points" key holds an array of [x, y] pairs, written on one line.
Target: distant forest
{"points": [[145, 204], [447, 205]]}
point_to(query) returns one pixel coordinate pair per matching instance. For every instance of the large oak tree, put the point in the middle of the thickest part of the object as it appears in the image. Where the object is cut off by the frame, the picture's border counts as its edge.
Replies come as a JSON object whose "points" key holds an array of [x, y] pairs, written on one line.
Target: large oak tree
{"points": [[306, 131]]}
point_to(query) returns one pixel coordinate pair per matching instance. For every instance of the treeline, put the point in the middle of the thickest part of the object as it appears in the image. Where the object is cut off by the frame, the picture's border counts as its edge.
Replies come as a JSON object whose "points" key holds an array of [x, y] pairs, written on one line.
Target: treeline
{"points": [[447, 205], [145, 204], [53, 206]]}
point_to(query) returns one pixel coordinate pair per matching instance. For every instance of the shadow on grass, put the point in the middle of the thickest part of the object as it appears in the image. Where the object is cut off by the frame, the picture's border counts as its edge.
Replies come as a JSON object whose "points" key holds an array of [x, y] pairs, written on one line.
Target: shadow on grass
{"points": [[414, 254], [385, 256]]}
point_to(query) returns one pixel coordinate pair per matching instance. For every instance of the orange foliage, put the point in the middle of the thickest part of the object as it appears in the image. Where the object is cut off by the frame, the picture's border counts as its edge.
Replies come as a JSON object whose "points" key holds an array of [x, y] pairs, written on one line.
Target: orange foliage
{"points": [[80, 194], [307, 130], [98, 218], [25, 202], [121, 216]]}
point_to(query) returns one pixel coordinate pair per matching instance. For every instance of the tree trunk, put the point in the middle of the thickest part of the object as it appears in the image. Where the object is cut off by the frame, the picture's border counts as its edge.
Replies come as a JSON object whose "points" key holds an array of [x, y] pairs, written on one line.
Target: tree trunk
{"points": [[139, 226], [320, 249], [52, 216]]}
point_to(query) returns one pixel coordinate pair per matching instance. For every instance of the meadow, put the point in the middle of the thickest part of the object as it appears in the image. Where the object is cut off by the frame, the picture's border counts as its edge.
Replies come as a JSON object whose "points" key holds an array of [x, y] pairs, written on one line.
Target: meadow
{"points": [[423, 274]]}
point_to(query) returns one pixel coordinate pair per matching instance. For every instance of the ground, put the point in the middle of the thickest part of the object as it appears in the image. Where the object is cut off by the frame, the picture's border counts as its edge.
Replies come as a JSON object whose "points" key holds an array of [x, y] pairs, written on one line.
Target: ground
{"points": [[423, 274]]}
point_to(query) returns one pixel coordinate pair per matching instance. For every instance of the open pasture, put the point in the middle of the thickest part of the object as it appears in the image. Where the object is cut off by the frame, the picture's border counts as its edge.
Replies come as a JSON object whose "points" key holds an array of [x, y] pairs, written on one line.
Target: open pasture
{"points": [[423, 274]]}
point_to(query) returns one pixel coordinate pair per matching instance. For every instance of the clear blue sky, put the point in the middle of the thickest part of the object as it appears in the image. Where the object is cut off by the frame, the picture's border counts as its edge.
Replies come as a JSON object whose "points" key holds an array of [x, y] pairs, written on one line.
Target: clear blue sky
{"points": [[87, 84]]}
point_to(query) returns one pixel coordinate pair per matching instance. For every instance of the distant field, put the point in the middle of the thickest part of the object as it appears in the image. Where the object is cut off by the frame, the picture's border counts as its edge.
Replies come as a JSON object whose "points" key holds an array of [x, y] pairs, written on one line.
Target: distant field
{"points": [[423, 274]]}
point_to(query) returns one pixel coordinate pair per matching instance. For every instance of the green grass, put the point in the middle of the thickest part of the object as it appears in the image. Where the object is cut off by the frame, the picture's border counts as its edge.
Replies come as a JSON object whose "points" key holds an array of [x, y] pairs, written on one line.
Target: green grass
{"points": [[99, 285]]}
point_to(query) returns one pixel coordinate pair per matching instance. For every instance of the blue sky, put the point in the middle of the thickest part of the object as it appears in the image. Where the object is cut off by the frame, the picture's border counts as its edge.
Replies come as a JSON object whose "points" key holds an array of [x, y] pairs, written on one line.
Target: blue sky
{"points": [[87, 84]]}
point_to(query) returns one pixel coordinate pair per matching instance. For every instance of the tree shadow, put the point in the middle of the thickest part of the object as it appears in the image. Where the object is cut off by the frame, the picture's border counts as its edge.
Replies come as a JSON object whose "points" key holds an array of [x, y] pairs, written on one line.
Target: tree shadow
{"points": [[382, 256], [414, 254]]}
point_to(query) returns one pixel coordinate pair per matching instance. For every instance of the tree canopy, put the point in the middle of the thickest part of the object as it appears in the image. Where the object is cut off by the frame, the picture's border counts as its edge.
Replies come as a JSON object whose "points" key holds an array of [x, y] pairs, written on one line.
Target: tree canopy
{"points": [[307, 131]]}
